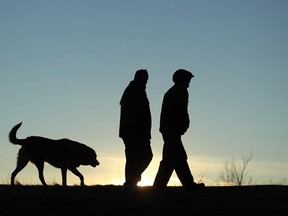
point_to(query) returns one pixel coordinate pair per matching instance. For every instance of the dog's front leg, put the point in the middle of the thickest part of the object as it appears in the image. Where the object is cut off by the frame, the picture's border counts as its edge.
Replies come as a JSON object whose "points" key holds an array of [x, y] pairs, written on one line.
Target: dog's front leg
{"points": [[77, 173], [64, 176], [40, 167]]}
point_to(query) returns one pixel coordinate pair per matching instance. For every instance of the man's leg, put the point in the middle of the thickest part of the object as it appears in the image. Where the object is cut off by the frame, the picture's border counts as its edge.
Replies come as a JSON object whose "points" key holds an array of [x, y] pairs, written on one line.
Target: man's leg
{"points": [[167, 164], [184, 174], [145, 156], [130, 166], [163, 175]]}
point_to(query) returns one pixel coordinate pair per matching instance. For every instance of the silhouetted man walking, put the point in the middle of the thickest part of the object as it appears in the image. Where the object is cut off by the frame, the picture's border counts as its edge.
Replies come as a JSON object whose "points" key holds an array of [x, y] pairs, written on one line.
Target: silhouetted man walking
{"points": [[174, 122], [135, 128]]}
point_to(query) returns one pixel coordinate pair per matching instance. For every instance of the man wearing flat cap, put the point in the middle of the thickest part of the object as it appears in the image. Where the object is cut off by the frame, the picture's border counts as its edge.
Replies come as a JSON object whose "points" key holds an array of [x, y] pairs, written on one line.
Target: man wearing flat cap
{"points": [[174, 122]]}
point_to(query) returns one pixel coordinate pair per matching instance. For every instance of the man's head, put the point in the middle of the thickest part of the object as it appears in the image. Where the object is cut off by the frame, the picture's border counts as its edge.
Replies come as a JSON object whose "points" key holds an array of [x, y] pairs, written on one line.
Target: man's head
{"points": [[182, 77], [141, 76]]}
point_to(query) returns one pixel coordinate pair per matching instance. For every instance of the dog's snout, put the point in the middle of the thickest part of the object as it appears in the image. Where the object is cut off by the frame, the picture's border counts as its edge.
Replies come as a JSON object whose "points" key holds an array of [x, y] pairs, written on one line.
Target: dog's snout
{"points": [[96, 163]]}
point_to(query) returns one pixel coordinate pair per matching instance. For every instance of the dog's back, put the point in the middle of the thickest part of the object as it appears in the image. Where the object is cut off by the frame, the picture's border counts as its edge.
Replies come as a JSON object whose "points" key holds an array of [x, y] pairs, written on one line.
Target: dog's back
{"points": [[63, 153], [37, 148], [67, 153]]}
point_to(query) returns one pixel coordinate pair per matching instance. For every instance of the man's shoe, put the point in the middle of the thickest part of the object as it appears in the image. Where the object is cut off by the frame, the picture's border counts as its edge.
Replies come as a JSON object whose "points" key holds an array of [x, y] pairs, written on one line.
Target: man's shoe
{"points": [[131, 187], [196, 186]]}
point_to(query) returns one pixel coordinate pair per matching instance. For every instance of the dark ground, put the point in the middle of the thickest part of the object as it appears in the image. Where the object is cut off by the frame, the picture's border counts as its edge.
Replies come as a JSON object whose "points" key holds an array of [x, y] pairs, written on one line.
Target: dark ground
{"points": [[115, 200]]}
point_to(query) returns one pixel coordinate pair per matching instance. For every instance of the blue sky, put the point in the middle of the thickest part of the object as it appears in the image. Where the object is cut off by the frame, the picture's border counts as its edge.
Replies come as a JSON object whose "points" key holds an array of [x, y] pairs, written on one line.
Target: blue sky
{"points": [[64, 66]]}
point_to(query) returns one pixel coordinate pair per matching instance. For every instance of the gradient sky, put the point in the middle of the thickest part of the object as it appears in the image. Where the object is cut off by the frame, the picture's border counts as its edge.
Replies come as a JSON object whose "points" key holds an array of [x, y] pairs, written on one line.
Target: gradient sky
{"points": [[65, 64]]}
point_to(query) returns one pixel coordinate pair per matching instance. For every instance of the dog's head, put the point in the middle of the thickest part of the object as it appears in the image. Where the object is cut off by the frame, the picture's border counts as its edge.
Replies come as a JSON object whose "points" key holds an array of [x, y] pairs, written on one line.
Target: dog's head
{"points": [[90, 158], [93, 159], [85, 155]]}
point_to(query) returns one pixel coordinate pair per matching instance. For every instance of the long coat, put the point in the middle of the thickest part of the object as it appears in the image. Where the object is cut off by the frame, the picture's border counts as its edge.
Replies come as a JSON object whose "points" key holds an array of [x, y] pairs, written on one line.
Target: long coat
{"points": [[135, 117]]}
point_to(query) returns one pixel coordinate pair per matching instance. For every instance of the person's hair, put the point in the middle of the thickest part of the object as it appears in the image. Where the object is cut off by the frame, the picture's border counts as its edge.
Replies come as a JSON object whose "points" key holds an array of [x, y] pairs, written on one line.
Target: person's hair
{"points": [[141, 75]]}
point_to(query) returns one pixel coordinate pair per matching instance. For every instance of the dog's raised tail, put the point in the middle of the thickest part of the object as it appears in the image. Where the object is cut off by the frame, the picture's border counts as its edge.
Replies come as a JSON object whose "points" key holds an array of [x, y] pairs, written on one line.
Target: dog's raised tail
{"points": [[12, 135]]}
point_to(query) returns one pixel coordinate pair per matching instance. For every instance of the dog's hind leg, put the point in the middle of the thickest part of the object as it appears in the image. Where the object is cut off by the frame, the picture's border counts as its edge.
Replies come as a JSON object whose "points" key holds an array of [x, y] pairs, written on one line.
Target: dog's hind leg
{"points": [[40, 167], [22, 161], [64, 176], [77, 173]]}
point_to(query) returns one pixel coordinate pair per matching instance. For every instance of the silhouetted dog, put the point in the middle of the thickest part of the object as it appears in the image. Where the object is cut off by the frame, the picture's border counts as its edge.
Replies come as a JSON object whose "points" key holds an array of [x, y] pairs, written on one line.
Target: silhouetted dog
{"points": [[63, 153]]}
